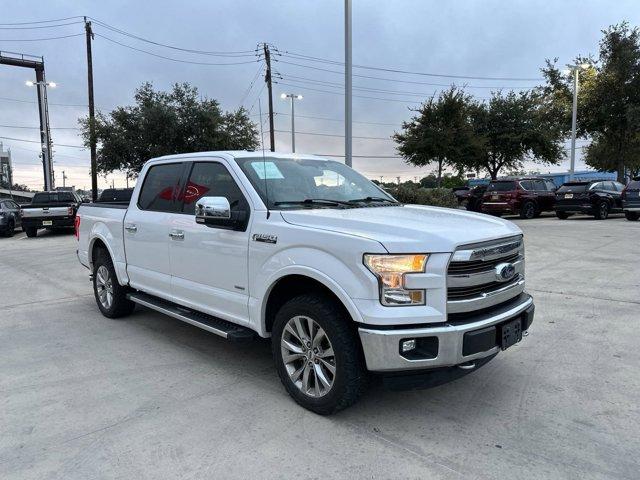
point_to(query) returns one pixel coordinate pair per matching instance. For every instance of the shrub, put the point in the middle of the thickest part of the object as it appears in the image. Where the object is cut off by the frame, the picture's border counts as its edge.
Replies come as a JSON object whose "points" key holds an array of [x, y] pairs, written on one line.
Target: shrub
{"points": [[438, 197]]}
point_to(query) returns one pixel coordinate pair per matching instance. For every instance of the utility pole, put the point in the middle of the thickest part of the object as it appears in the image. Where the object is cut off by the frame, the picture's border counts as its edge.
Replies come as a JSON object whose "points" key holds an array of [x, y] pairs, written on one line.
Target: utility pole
{"points": [[267, 78], [398, 178], [348, 104], [381, 177], [92, 116], [574, 114], [64, 179]]}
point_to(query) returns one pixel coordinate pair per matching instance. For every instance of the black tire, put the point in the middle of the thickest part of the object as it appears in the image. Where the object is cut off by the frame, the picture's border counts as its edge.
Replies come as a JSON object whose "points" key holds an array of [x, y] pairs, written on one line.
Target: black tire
{"points": [[563, 215], [120, 305], [31, 232], [602, 210], [632, 216], [528, 210], [11, 228], [350, 378]]}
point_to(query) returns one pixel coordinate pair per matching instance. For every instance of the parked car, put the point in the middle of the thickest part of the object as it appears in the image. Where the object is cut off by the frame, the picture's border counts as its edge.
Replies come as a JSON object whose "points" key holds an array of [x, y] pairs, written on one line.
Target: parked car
{"points": [[596, 197], [116, 195], [526, 196], [51, 210], [297, 248], [470, 198], [631, 200], [9, 217]]}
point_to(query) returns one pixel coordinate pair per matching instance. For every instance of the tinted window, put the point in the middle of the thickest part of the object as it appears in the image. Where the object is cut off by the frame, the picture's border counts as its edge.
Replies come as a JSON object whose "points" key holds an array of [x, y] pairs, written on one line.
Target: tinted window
{"points": [[596, 186], [550, 185], [213, 180], [618, 187], [539, 185], [527, 184], [573, 187], [634, 185], [116, 195], [159, 188], [501, 186]]}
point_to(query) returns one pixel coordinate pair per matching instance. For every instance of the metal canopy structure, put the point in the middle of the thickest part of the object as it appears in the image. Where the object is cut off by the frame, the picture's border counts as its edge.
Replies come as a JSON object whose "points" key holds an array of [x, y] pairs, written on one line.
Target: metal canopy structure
{"points": [[37, 64]]}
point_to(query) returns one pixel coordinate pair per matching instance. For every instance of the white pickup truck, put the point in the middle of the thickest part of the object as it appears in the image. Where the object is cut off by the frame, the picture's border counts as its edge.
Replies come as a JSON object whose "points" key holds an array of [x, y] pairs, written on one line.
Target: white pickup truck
{"points": [[346, 281]]}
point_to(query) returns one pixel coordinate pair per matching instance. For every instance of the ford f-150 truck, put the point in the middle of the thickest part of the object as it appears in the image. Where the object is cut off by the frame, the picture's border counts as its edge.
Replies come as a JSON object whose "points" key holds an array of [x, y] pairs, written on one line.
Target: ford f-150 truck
{"points": [[55, 209], [346, 281]]}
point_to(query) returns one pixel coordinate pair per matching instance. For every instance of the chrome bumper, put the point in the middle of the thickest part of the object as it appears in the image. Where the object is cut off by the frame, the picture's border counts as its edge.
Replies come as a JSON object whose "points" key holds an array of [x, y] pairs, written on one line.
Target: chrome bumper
{"points": [[382, 347]]}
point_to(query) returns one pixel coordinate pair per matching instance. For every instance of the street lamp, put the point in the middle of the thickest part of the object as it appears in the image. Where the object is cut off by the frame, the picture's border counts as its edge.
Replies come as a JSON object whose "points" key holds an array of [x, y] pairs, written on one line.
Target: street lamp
{"points": [[574, 112], [45, 136], [29, 83], [293, 97]]}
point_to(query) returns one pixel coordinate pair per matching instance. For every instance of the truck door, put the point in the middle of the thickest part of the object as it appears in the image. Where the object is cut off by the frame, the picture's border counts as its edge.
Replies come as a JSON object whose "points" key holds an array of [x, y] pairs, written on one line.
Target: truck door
{"points": [[209, 264], [146, 230]]}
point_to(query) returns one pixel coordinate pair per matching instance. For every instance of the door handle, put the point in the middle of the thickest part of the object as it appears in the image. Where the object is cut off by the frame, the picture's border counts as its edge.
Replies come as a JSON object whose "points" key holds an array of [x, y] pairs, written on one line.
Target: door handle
{"points": [[177, 235], [131, 228]]}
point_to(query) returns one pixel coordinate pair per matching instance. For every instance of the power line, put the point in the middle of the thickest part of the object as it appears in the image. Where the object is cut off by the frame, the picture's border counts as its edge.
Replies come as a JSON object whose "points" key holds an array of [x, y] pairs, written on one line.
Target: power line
{"points": [[253, 81], [169, 58], [310, 58], [38, 141], [358, 156], [7, 99], [40, 26], [42, 21], [354, 96], [334, 135], [38, 128], [39, 39], [366, 89], [173, 47], [339, 119]]}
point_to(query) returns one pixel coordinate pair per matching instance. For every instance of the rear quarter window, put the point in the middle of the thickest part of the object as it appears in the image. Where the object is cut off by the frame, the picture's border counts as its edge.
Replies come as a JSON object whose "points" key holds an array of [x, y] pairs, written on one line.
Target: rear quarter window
{"points": [[634, 185], [160, 188], [581, 187]]}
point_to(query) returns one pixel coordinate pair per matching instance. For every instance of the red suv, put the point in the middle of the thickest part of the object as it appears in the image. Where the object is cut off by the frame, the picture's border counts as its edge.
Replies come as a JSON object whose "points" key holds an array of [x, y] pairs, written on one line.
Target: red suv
{"points": [[527, 197]]}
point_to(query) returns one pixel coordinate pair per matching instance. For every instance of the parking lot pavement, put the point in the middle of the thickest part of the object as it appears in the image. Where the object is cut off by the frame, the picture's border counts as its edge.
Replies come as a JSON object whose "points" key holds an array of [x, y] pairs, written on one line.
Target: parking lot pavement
{"points": [[85, 397]]}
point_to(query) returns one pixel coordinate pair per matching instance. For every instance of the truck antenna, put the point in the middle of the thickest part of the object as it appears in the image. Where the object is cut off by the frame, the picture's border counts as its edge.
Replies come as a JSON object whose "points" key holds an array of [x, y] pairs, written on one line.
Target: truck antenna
{"points": [[264, 163]]}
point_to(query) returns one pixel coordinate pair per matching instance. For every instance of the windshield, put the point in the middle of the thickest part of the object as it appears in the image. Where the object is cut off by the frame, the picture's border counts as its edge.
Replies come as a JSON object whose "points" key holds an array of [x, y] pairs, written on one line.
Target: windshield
{"points": [[501, 186], [573, 187], [299, 183]]}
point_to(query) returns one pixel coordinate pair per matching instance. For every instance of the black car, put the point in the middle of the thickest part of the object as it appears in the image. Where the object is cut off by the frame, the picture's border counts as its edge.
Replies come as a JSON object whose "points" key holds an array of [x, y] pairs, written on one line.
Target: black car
{"points": [[470, 198], [116, 195], [9, 217], [597, 197], [631, 200]]}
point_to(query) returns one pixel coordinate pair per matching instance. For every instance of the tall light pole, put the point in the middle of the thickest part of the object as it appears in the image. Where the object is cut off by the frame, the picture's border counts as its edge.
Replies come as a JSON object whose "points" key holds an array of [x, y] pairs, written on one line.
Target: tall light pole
{"points": [[348, 103], [43, 110], [293, 97], [574, 69]]}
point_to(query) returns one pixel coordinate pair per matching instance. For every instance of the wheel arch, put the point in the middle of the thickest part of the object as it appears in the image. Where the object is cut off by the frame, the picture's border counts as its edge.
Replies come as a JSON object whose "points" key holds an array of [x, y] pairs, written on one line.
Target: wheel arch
{"points": [[297, 282], [97, 243]]}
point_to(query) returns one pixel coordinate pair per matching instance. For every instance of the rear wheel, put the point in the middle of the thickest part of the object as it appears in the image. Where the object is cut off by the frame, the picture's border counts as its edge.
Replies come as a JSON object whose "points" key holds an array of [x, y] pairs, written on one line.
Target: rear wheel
{"points": [[602, 211], [11, 227], [528, 210], [111, 297], [562, 215], [632, 216], [317, 354], [31, 231]]}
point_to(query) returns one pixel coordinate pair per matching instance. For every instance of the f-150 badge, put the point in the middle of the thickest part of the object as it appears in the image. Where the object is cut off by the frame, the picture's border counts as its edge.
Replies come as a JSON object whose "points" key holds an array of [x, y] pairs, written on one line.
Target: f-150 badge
{"points": [[264, 238]]}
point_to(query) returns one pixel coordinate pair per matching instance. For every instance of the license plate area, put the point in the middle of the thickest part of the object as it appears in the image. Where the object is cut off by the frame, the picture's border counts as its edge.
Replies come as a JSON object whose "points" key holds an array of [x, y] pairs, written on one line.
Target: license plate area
{"points": [[568, 195], [510, 333], [494, 197], [47, 223]]}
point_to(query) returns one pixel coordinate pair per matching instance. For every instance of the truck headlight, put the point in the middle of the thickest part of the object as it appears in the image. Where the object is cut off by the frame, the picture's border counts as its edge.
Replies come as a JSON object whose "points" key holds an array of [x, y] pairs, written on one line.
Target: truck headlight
{"points": [[390, 271]]}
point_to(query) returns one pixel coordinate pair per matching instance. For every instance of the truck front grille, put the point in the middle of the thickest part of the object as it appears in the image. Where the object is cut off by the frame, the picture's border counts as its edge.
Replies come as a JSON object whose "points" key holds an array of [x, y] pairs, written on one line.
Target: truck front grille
{"points": [[474, 276]]}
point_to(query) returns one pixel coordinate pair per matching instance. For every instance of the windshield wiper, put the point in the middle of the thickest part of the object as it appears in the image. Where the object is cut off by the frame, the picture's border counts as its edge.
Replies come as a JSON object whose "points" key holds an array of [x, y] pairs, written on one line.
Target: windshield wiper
{"points": [[315, 202], [374, 199]]}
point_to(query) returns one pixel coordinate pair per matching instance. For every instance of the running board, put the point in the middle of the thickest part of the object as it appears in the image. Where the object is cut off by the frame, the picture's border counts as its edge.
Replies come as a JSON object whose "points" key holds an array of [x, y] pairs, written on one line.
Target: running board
{"points": [[228, 330]]}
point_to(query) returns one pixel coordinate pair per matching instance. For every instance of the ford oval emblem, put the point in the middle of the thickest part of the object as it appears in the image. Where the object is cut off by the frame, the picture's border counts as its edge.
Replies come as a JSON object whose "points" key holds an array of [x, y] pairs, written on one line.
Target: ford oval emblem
{"points": [[505, 272]]}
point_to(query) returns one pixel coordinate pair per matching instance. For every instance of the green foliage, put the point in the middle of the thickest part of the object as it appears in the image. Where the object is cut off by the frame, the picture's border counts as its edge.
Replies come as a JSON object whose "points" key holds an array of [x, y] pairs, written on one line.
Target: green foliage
{"points": [[608, 100], [439, 132], [512, 128], [164, 123], [412, 194]]}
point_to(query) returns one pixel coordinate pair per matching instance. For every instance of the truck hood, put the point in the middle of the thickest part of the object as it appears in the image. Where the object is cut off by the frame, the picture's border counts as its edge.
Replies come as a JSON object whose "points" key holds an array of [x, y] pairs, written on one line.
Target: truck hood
{"points": [[407, 228]]}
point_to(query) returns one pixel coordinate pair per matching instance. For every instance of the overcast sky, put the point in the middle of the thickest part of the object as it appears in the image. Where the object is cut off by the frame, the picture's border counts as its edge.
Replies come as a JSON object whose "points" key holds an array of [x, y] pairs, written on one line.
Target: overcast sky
{"points": [[509, 39]]}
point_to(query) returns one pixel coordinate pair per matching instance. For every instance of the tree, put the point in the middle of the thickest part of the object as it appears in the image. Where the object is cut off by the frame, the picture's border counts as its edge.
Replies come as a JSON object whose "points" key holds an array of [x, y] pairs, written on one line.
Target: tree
{"points": [[163, 123], [439, 132], [608, 100], [513, 127]]}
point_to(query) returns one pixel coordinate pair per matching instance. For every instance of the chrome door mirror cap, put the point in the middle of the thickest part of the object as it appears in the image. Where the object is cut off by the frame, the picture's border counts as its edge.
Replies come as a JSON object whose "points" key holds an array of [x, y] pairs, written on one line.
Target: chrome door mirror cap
{"points": [[212, 208]]}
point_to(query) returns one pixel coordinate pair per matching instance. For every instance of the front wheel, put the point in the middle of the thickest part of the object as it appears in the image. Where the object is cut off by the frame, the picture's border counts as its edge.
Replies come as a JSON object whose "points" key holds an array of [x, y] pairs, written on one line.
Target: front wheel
{"points": [[602, 211], [10, 228], [317, 354], [632, 216], [111, 297]]}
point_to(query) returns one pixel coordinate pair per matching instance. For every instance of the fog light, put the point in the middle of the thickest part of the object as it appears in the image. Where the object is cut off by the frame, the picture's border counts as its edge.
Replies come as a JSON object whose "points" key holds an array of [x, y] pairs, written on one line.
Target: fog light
{"points": [[408, 345]]}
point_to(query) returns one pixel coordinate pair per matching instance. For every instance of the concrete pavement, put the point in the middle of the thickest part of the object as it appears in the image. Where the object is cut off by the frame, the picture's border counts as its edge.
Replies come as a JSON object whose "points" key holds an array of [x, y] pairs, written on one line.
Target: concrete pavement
{"points": [[85, 397]]}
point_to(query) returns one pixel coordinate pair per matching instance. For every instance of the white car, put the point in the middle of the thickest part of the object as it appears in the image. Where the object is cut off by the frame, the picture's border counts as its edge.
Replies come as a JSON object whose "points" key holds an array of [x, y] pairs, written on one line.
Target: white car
{"points": [[344, 279]]}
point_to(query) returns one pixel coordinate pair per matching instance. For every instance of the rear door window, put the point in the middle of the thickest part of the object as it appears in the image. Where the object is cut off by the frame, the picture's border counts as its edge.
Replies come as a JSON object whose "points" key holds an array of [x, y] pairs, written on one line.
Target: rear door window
{"points": [[527, 185], [160, 188], [634, 185], [550, 185]]}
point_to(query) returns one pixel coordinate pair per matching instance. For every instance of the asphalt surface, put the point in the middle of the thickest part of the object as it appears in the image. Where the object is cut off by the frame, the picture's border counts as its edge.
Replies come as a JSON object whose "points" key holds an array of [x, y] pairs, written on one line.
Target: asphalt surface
{"points": [[148, 397]]}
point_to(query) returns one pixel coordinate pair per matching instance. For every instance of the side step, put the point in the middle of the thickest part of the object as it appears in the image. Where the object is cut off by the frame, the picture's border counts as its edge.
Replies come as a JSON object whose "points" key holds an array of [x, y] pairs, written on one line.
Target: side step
{"points": [[228, 330]]}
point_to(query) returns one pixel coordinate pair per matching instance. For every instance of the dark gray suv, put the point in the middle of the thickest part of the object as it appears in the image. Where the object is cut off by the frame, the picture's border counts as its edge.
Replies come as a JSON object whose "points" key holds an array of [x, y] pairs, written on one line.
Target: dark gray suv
{"points": [[9, 217]]}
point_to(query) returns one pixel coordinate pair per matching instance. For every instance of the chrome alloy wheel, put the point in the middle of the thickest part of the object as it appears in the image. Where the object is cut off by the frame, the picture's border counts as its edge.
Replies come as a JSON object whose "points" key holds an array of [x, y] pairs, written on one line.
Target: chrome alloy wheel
{"points": [[308, 356], [104, 287]]}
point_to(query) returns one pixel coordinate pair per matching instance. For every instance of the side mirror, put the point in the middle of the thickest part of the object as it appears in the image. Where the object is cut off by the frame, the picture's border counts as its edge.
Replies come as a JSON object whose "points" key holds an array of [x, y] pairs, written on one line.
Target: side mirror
{"points": [[216, 212]]}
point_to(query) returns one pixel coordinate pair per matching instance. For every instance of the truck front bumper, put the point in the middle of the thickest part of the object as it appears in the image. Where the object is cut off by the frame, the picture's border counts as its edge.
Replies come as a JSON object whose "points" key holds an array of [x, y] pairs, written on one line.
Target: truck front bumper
{"points": [[456, 342]]}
